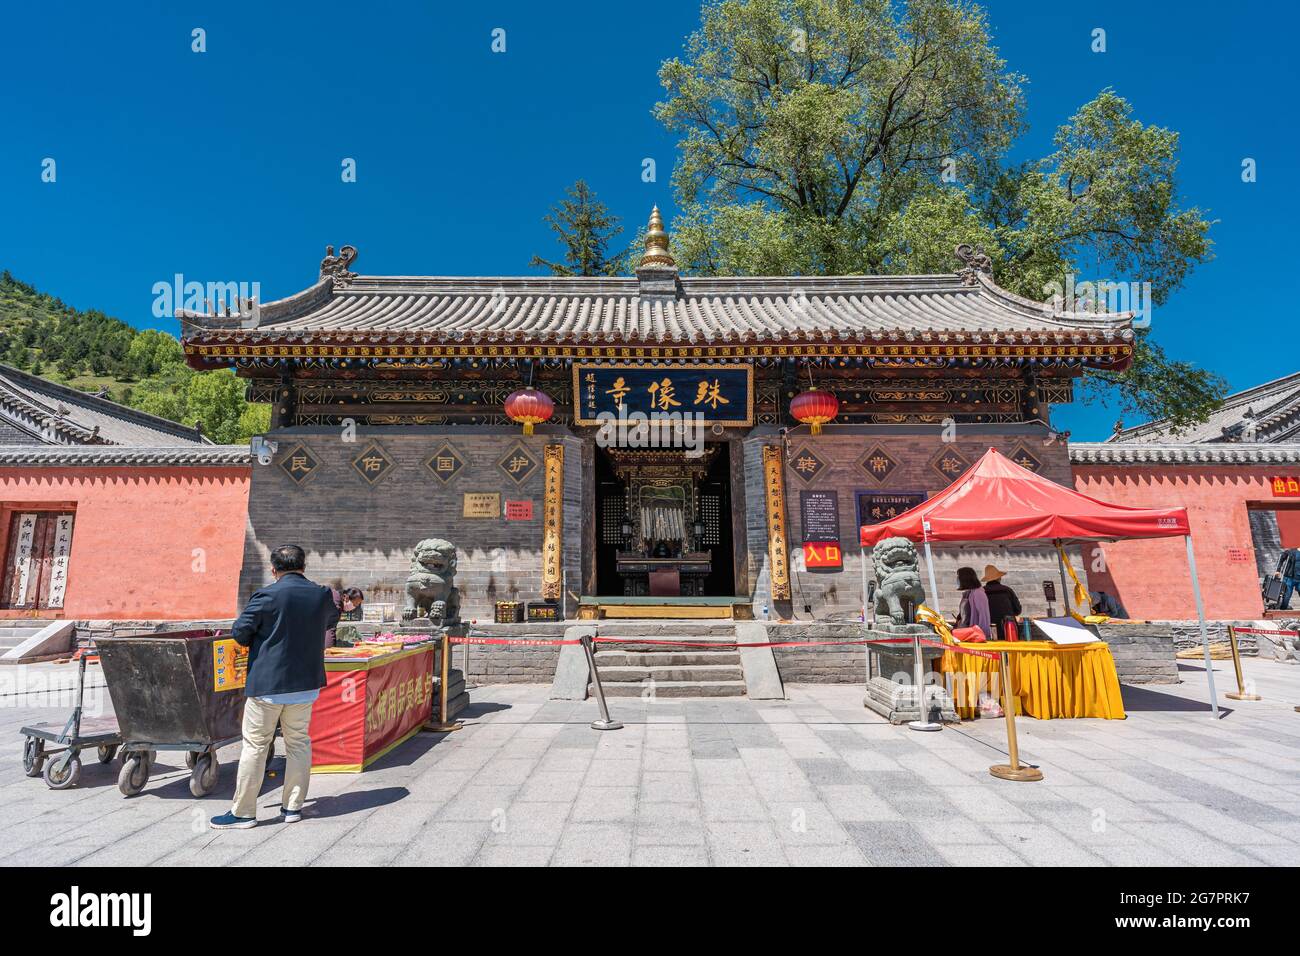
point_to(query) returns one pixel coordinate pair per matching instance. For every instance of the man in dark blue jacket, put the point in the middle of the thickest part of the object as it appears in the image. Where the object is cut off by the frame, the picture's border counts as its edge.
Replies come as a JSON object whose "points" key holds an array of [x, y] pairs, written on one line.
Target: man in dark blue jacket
{"points": [[283, 626]]}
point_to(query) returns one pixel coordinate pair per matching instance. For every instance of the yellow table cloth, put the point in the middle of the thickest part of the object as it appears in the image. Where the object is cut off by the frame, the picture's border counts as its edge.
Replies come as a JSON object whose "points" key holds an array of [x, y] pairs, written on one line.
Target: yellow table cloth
{"points": [[1048, 680]]}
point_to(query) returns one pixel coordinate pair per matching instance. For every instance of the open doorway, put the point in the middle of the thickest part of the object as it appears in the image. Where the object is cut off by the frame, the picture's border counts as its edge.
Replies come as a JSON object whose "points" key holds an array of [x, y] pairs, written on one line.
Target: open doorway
{"points": [[664, 523]]}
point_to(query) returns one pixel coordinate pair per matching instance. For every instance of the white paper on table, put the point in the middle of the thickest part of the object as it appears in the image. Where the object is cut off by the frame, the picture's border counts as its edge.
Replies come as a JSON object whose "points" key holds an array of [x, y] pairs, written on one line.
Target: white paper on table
{"points": [[1064, 630]]}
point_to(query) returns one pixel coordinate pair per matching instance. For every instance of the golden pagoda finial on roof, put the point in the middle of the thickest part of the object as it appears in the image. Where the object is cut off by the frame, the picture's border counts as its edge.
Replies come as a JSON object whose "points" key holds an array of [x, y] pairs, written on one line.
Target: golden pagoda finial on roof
{"points": [[656, 244]]}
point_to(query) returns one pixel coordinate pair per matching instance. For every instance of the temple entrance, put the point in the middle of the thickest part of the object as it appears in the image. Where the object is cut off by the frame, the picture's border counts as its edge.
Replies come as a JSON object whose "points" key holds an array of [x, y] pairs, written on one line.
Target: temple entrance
{"points": [[664, 525]]}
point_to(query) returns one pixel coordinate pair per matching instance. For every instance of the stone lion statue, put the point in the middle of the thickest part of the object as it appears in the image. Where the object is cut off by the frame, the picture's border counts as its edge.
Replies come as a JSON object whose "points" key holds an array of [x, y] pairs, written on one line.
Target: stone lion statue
{"points": [[898, 577], [430, 589]]}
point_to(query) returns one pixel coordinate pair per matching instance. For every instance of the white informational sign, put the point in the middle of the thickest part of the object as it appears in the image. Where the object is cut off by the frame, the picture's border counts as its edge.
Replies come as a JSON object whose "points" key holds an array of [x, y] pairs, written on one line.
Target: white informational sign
{"points": [[1064, 630], [59, 564]]}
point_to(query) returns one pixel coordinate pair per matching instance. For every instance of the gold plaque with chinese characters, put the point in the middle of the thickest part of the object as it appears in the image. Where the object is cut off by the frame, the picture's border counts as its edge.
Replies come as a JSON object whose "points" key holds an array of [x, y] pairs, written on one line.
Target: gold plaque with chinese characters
{"points": [[553, 524], [778, 548], [481, 504]]}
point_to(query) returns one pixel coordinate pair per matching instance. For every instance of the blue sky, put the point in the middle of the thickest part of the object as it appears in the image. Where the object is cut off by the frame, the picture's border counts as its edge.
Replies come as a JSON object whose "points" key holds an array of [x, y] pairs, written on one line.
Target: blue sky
{"points": [[225, 166]]}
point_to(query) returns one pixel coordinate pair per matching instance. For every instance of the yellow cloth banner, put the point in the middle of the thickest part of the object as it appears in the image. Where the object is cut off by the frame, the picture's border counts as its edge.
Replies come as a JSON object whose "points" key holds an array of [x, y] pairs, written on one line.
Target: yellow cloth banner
{"points": [[1048, 680], [1081, 596]]}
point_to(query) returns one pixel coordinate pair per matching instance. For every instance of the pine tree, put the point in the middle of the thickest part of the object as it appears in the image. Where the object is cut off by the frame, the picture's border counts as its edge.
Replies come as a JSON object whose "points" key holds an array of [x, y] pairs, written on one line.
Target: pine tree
{"points": [[585, 227]]}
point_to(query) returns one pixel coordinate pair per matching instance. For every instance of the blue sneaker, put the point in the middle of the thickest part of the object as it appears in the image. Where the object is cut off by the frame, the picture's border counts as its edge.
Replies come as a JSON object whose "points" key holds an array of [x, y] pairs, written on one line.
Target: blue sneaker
{"points": [[228, 821], [290, 816]]}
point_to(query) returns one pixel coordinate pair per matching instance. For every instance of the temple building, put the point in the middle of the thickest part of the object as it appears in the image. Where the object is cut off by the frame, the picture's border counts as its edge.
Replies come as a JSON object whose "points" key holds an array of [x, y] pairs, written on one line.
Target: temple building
{"points": [[1238, 475], [655, 445]]}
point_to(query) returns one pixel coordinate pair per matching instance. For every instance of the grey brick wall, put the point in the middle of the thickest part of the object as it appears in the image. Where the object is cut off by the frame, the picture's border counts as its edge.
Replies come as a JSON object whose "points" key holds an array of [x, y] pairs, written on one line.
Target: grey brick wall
{"points": [[837, 595], [361, 535]]}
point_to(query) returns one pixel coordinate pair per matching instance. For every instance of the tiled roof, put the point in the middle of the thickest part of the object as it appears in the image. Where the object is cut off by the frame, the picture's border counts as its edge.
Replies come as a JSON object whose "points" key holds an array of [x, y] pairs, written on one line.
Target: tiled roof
{"points": [[1208, 453], [618, 311], [124, 455], [45, 411], [1268, 413]]}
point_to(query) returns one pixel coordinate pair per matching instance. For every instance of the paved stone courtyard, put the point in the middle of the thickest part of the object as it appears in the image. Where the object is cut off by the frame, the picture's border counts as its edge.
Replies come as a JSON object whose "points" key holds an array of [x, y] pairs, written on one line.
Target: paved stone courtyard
{"points": [[814, 780]]}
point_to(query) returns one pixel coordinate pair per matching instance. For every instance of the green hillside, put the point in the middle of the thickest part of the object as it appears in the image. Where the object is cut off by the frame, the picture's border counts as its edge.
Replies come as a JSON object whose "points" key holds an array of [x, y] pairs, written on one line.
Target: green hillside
{"points": [[94, 352]]}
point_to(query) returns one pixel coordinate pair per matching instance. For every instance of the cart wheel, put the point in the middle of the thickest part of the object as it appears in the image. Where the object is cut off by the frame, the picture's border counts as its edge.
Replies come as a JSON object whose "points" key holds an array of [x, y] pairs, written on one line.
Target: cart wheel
{"points": [[61, 778], [107, 752], [33, 756], [191, 757], [204, 775], [134, 774]]}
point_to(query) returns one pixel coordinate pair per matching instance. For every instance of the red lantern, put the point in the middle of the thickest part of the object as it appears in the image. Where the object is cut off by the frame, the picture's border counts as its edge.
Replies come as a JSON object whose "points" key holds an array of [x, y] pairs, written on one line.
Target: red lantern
{"points": [[815, 408], [530, 407]]}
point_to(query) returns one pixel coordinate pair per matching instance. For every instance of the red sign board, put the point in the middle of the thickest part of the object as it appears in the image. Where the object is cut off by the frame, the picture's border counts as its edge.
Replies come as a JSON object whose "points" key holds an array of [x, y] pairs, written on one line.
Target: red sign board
{"points": [[519, 510], [1287, 487], [1240, 555], [819, 555]]}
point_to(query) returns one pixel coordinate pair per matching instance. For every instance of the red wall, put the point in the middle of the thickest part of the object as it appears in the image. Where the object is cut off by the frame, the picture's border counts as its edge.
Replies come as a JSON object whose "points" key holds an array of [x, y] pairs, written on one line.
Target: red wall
{"points": [[1151, 577], [135, 535]]}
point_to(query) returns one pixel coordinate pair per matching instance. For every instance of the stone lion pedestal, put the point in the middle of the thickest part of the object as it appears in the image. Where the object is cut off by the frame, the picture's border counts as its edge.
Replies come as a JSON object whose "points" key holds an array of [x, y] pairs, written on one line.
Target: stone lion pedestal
{"points": [[891, 690]]}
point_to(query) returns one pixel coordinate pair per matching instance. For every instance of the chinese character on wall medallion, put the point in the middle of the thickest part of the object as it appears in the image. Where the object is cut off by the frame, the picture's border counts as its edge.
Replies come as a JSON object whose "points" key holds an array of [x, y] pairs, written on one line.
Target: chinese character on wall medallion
{"points": [[806, 464], [372, 464], [951, 464], [299, 464], [877, 464], [518, 464], [445, 464]]}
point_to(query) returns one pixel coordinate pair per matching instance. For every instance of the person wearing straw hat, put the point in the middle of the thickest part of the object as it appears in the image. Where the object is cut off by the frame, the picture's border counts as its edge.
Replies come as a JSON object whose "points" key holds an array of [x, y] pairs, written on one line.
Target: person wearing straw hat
{"points": [[1004, 605]]}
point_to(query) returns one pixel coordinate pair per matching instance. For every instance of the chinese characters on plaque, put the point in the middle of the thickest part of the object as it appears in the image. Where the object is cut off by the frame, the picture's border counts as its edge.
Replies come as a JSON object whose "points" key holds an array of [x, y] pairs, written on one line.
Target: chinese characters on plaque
{"points": [[481, 504], [875, 507], [553, 523], [778, 548], [722, 394], [1286, 487]]}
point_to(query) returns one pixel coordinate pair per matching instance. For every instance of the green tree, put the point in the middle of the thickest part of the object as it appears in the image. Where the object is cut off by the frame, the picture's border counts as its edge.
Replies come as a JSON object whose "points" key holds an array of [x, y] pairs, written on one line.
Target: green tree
{"points": [[584, 227], [832, 137]]}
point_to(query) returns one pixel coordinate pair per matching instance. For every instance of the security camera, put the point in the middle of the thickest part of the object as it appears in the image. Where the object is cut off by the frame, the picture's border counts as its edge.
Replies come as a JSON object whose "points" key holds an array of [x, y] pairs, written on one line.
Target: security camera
{"points": [[262, 449]]}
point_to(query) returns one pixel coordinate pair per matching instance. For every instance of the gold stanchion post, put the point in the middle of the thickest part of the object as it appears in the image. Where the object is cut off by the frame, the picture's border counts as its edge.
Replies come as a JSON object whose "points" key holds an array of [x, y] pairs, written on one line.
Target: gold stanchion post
{"points": [[443, 726], [1236, 664], [1013, 770]]}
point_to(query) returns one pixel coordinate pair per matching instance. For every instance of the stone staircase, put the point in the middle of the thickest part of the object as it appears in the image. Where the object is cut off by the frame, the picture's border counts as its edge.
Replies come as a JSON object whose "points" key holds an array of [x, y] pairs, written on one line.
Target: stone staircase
{"points": [[634, 670], [13, 631]]}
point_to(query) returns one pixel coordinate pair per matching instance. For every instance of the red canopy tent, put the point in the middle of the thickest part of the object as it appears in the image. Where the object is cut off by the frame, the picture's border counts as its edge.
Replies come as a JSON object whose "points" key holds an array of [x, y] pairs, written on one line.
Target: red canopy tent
{"points": [[998, 500]]}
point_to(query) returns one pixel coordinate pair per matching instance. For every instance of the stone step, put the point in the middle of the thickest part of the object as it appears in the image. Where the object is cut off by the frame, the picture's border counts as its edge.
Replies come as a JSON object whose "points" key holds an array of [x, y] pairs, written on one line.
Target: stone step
{"points": [[720, 688], [9, 643], [706, 673], [664, 658], [663, 630]]}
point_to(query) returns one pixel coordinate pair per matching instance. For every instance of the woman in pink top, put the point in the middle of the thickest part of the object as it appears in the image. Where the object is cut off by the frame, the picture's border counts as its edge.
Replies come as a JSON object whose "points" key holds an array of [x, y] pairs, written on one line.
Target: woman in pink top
{"points": [[974, 610]]}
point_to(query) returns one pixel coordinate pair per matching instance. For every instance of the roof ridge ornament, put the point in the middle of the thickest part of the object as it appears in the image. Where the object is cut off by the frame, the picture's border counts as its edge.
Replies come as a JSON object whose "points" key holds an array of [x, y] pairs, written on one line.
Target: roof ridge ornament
{"points": [[974, 261], [336, 267], [657, 271]]}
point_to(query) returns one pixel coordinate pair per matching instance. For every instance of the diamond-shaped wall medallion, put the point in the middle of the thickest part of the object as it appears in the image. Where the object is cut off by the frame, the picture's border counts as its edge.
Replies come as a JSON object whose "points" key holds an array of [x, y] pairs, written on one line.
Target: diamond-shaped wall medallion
{"points": [[445, 463], [518, 464], [951, 464], [877, 464], [1025, 459], [806, 464], [372, 464], [299, 464]]}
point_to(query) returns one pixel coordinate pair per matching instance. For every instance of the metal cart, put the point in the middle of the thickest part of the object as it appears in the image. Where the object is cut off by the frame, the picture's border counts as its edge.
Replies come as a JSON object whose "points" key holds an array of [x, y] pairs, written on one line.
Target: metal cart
{"points": [[168, 695], [79, 733]]}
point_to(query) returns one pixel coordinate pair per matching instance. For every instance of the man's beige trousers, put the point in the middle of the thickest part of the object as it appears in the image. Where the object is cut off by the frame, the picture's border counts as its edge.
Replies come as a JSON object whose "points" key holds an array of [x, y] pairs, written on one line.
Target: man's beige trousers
{"points": [[259, 732]]}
